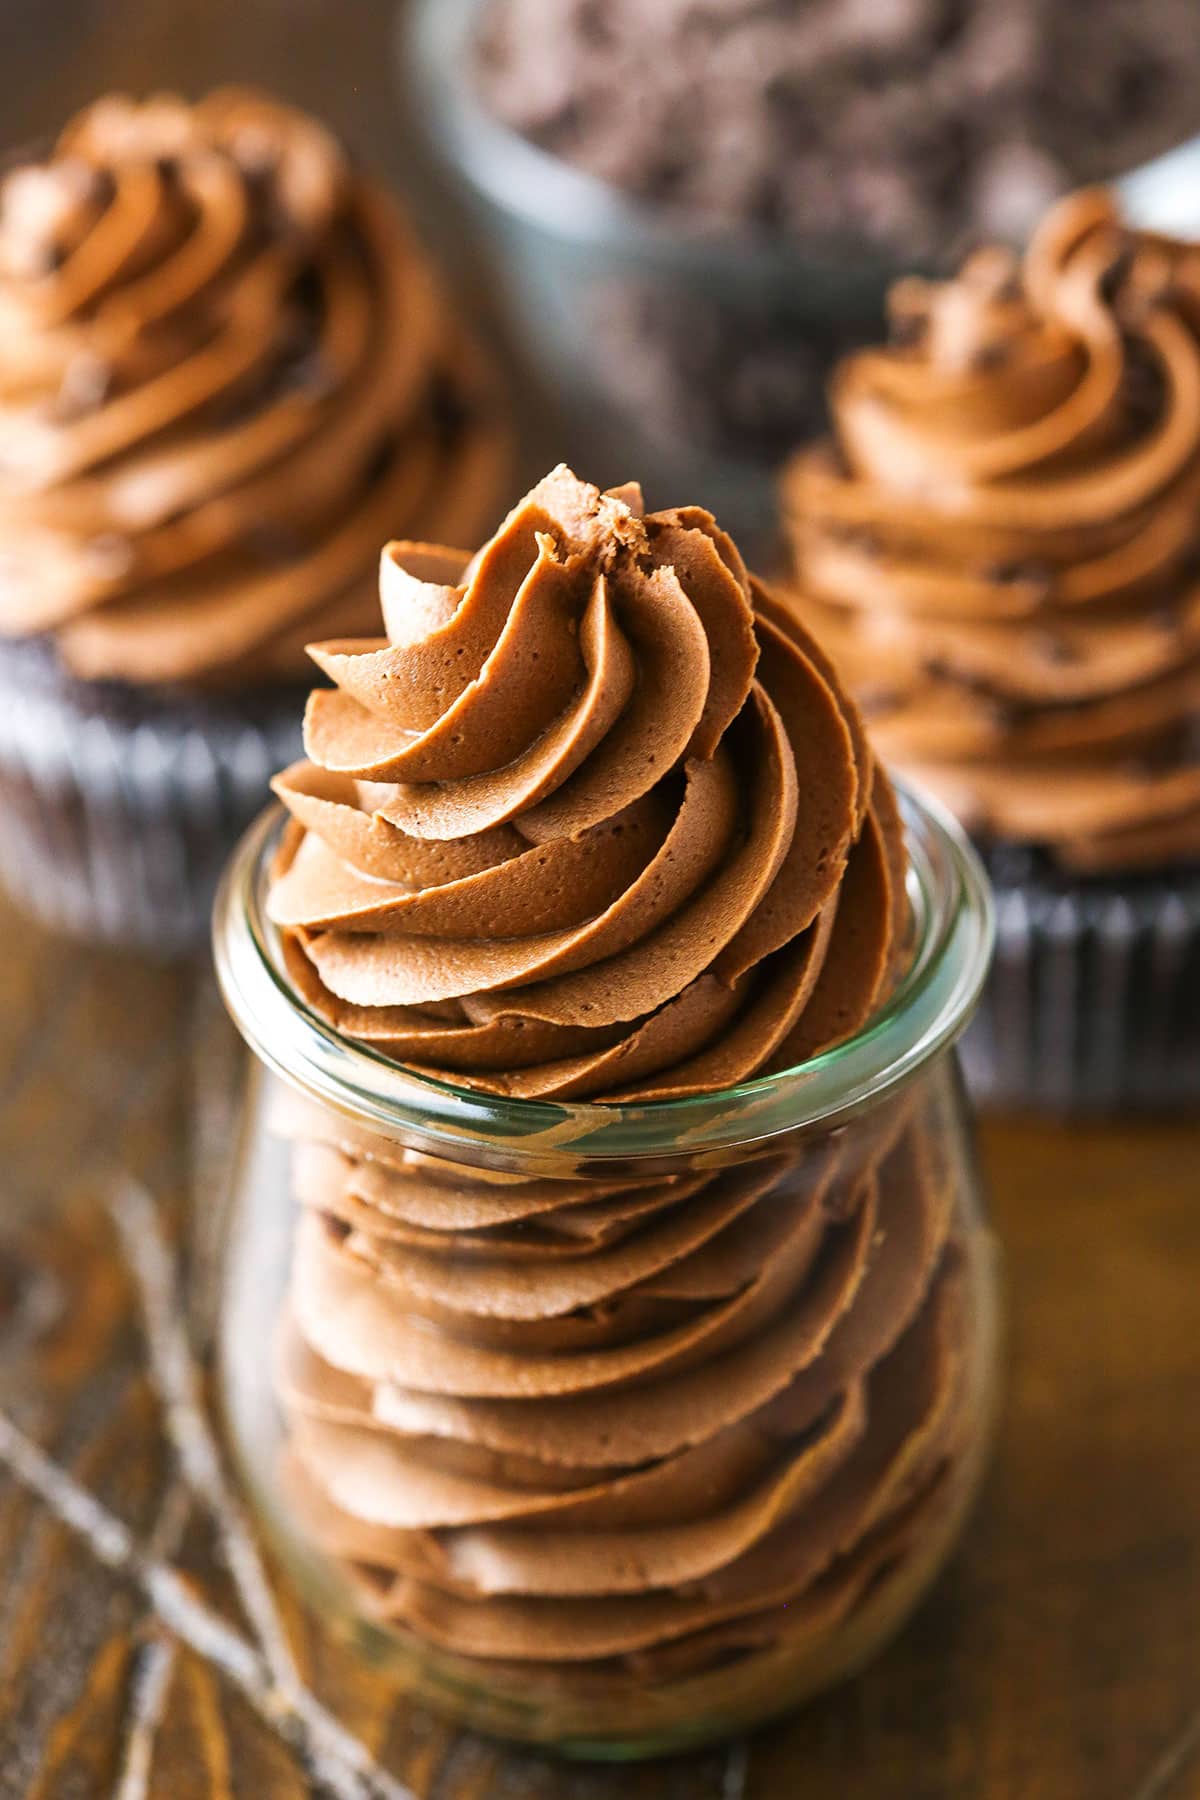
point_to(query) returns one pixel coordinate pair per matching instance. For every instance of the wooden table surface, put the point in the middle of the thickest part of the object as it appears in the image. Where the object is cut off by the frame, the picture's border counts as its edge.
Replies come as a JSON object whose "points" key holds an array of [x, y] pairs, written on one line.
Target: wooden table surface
{"points": [[1059, 1658]]}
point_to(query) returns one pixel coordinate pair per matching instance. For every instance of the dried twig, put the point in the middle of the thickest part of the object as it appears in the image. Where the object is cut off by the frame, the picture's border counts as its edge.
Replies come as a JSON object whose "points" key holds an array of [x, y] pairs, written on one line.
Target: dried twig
{"points": [[213, 1110], [147, 1703], [178, 1382], [217, 1078], [157, 1656], [334, 1754], [1175, 1760], [735, 1771]]}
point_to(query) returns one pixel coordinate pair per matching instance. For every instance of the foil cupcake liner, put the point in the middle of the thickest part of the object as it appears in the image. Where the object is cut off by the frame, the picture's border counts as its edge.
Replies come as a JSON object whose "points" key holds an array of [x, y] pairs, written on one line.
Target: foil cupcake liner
{"points": [[118, 808], [1093, 1003]]}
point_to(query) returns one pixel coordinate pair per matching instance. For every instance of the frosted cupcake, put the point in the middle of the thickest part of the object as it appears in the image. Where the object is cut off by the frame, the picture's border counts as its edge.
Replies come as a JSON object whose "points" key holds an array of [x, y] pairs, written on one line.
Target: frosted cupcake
{"points": [[1000, 547], [225, 374]]}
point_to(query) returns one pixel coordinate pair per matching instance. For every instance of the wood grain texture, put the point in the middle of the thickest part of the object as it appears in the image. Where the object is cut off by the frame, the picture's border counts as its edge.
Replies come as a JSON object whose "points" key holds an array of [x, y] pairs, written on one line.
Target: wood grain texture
{"points": [[1057, 1658]]}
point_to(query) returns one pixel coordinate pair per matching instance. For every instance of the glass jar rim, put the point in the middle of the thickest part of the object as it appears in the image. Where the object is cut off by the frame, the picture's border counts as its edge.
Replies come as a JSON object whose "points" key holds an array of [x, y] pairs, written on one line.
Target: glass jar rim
{"points": [[544, 190], [953, 929]]}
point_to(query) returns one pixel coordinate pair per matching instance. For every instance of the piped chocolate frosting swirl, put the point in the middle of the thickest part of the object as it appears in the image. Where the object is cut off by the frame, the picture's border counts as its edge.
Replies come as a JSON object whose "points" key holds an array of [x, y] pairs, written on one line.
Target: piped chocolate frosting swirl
{"points": [[225, 376], [1001, 545], [593, 820], [596, 1436]]}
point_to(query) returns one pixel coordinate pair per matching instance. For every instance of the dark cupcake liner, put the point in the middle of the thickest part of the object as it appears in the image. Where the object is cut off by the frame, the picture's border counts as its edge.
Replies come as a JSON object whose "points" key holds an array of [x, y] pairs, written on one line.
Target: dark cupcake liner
{"points": [[119, 806], [1093, 1003]]}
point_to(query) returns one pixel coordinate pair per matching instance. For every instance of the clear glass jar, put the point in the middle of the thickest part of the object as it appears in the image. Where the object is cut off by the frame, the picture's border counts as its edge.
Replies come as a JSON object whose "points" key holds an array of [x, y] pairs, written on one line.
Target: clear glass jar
{"points": [[614, 1428]]}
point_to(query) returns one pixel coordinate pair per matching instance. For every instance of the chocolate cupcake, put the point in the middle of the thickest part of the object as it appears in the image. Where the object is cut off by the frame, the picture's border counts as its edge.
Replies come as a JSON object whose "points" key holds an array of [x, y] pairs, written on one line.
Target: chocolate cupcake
{"points": [[1001, 547], [227, 375]]}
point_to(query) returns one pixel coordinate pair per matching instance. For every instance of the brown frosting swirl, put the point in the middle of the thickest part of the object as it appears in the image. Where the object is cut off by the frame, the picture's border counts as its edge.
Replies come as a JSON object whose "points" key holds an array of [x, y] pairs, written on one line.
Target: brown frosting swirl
{"points": [[594, 820], [1000, 545], [225, 377]]}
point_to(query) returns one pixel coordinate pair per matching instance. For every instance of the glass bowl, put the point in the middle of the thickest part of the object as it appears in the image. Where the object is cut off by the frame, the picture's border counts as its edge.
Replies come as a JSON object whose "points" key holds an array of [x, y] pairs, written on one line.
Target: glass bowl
{"points": [[643, 342]]}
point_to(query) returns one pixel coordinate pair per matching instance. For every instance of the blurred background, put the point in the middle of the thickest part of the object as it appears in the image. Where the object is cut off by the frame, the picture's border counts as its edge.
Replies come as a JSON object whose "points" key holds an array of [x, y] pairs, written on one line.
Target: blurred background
{"points": [[674, 213], [60, 55]]}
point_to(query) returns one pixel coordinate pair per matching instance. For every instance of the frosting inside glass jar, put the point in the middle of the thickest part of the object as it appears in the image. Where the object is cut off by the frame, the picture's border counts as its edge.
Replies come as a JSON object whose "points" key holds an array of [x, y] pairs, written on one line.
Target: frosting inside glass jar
{"points": [[595, 821]]}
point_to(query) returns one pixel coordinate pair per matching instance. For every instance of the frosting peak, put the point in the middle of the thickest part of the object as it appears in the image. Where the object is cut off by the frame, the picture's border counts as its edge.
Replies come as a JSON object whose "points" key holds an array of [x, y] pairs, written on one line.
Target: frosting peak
{"points": [[224, 376], [586, 1435], [593, 820], [999, 546]]}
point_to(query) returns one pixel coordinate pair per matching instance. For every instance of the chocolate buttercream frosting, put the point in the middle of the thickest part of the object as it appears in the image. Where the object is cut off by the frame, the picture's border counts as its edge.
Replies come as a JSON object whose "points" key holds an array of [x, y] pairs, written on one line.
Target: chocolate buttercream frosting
{"points": [[598, 1434], [909, 125], [225, 376], [594, 820], [1000, 546]]}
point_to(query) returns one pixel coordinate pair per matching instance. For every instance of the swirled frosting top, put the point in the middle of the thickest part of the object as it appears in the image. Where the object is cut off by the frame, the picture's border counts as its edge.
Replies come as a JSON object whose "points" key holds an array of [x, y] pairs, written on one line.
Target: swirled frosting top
{"points": [[225, 376], [593, 820], [1001, 544]]}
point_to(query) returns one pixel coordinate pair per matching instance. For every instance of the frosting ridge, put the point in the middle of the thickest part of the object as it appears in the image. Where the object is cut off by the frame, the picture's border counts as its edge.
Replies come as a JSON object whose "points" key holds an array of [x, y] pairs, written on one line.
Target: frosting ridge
{"points": [[225, 375], [999, 545], [595, 819], [610, 1464]]}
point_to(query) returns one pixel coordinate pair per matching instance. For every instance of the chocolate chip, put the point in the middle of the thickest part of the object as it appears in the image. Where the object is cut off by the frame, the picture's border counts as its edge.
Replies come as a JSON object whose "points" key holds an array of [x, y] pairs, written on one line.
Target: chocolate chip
{"points": [[1155, 760], [379, 462], [274, 542], [102, 188], [449, 408], [1143, 388], [1007, 716], [1054, 647], [1026, 572], [1116, 274], [1004, 712], [309, 374]]}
